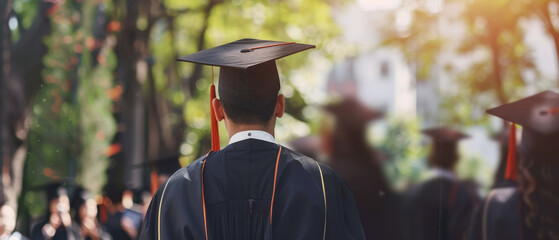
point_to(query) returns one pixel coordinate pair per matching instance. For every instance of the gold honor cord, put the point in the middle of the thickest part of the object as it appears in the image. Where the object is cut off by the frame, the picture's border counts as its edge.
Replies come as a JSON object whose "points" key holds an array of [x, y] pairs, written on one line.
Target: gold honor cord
{"points": [[159, 213], [324, 194]]}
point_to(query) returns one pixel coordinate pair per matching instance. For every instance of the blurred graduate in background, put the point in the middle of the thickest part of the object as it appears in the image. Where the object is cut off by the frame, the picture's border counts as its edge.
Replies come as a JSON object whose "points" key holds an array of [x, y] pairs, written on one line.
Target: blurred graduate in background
{"points": [[529, 211], [84, 216], [349, 154], [441, 207], [56, 223]]}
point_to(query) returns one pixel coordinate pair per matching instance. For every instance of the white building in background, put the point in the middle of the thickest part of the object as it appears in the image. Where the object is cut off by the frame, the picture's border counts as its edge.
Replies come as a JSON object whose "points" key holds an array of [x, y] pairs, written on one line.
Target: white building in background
{"points": [[381, 78]]}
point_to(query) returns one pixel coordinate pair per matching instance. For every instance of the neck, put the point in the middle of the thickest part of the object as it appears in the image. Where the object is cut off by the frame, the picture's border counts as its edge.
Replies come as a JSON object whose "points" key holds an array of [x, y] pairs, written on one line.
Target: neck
{"points": [[233, 128], [246, 127]]}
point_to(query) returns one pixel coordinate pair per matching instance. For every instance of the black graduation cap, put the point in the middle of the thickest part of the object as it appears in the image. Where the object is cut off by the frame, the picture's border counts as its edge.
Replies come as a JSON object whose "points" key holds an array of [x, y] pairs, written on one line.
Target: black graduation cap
{"points": [[445, 145], [539, 117], [248, 76], [350, 112], [444, 134]]}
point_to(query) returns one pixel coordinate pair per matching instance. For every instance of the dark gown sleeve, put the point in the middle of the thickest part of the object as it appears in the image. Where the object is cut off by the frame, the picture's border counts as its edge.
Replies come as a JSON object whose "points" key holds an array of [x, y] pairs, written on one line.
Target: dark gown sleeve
{"points": [[343, 220], [299, 205], [301, 200], [148, 230], [465, 204], [474, 231], [178, 204]]}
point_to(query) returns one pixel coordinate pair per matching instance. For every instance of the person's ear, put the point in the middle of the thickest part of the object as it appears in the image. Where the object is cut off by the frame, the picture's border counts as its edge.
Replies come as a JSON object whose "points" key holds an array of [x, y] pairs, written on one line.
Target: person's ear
{"points": [[280, 106], [218, 109]]}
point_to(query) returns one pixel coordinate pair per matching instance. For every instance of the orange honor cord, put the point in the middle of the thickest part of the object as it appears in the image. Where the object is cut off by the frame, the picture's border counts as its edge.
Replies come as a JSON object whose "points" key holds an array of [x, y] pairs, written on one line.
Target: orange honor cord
{"points": [[274, 189], [511, 172], [551, 111], [204, 199], [246, 50], [272, 45], [213, 121]]}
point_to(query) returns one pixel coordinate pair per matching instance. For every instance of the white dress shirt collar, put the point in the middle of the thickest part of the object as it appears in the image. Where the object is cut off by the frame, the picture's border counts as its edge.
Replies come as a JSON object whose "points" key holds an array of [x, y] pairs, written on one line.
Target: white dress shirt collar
{"points": [[252, 134]]}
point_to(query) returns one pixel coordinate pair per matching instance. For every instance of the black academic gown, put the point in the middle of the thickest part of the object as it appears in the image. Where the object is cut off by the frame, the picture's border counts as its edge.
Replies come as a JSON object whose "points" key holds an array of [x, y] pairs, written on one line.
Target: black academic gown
{"points": [[502, 217], [439, 209], [238, 184]]}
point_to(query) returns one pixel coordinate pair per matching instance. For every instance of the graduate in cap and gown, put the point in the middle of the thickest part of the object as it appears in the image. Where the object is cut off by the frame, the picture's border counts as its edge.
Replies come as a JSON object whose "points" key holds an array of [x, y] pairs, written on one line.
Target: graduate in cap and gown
{"points": [[441, 207], [529, 211], [253, 188], [57, 222], [350, 155]]}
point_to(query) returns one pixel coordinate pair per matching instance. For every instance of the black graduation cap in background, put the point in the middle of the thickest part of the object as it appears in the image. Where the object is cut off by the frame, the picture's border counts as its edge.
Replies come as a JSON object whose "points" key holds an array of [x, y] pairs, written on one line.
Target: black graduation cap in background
{"points": [[444, 135], [445, 145], [163, 165], [248, 76], [351, 113], [539, 117]]}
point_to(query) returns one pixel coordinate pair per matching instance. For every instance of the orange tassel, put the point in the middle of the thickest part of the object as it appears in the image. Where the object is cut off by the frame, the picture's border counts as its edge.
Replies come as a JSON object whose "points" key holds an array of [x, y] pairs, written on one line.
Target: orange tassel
{"points": [[511, 171], [154, 180], [213, 121], [103, 215]]}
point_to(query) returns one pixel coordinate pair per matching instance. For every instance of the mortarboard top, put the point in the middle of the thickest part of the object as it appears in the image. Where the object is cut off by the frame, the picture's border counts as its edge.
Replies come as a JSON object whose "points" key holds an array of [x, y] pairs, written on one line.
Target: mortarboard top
{"points": [[248, 75], [444, 135], [245, 53], [539, 117]]}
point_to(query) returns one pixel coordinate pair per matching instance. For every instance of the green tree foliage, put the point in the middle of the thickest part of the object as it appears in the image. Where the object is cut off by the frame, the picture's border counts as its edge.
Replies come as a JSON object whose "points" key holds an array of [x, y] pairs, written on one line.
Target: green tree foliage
{"points": [[189, 26], [71, 118]]}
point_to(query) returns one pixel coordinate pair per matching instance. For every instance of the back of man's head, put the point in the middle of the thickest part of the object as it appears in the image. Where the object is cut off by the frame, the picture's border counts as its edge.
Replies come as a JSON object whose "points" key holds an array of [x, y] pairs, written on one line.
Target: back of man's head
{"points": [[242, 116]]}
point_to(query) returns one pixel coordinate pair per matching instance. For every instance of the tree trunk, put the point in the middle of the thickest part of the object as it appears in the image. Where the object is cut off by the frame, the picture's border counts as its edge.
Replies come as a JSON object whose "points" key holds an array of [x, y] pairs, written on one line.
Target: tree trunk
{"points": [[497, 74], [5, 63]]}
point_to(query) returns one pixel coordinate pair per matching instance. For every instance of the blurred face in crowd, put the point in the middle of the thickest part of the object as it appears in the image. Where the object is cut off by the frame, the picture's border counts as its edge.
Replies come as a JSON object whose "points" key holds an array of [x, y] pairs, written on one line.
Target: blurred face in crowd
{"points": [[7, 220], [89, 209], [59, 205]]}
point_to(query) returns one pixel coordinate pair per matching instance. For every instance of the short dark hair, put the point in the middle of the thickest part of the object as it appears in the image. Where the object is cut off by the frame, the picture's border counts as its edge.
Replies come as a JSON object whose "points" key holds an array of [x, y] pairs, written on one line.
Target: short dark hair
{"points": [[249, 116]]}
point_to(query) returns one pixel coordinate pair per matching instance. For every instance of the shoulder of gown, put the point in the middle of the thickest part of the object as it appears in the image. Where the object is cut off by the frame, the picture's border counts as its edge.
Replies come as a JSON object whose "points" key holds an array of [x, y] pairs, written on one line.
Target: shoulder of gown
{"points": [[497, 217], [338, 209], [175, 210]]}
